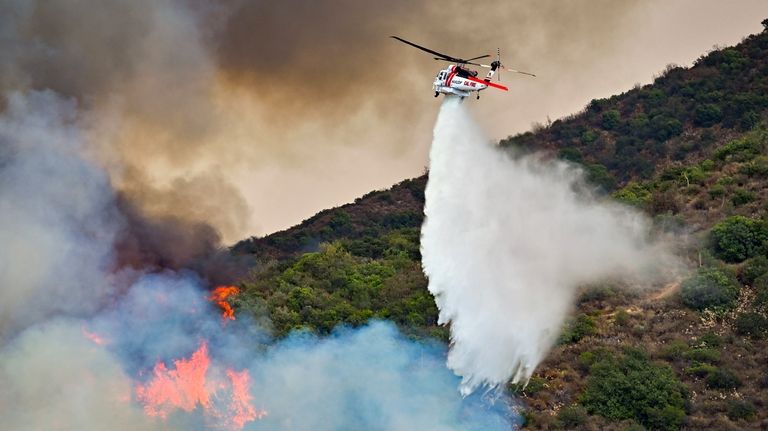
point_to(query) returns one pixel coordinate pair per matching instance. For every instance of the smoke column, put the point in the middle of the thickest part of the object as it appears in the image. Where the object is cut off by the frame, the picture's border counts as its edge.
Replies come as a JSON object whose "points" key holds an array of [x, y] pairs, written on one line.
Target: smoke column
{"points": [[507, 241]]}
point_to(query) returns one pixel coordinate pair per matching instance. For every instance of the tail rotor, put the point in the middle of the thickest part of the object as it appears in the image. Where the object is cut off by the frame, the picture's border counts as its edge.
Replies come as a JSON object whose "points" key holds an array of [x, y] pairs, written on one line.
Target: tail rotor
{"points": [[496, 68]]}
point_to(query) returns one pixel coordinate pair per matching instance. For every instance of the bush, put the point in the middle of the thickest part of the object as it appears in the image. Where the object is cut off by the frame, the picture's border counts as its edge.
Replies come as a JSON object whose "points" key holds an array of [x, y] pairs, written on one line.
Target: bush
{"points": [[721, 378], [703, 354], [710, 339], [751, 324], [572, 416], [583, 326], [742, 197], [632, 387], [674, 350], [754, 268], [707, 115], [738, 238], [701, 370], [633, 194], [743, 149], [709, 289], [761, 286], [738, 409], [622, 317], [611, 119]]}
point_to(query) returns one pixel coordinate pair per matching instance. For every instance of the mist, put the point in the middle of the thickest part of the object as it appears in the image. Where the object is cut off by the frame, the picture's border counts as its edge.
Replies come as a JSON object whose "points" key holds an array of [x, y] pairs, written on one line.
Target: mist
{"points": [[506, 243]]}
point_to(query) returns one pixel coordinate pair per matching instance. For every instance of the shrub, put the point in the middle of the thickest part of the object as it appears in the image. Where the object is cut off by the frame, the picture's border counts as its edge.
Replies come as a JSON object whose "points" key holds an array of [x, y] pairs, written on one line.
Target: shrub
{"points": [[751, 324], [742, 197], [721, 378], [761, 285], [754, 268], [738, 409], [707, 115], [701, 370], [633, 194], [572, 416], [674, 350], [716, 191], [710, 339], [622, 317], [535, 384], [738, 238], [743, 149], [709, 289], [632, 387], [611, 119], [583, 326], [703, 354], [599, 175], [757, 167]]}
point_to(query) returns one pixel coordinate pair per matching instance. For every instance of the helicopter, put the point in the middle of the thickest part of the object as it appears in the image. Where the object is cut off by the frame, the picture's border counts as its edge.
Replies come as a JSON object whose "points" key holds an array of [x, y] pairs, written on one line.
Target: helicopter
{"points": [[458, 79]]}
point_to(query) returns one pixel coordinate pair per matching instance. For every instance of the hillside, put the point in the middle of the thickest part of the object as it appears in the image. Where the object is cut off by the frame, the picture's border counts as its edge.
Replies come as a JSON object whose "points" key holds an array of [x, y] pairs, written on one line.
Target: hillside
{"points": [[690, 149]]}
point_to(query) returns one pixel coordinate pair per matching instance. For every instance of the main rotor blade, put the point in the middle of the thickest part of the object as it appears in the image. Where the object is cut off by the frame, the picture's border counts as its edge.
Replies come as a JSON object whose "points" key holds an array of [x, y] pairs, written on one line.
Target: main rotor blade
{"points": [[520, 71], [458, 61], [478, 58], [441, 55]]}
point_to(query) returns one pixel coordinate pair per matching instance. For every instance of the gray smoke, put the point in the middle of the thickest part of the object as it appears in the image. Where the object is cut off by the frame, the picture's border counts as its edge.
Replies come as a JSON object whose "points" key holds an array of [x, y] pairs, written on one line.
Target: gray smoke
{"points": [[83, 325], [506, 243]]}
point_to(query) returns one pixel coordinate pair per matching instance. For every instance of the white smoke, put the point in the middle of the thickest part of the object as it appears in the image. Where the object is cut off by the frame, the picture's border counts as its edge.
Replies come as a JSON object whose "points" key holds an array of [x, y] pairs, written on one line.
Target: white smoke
{"points": [[57, 222], [506, 243]]}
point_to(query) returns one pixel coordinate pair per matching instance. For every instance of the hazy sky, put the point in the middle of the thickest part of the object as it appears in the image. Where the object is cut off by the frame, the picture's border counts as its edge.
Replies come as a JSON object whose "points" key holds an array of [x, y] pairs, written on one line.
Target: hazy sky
{"points": [[252, 115]]}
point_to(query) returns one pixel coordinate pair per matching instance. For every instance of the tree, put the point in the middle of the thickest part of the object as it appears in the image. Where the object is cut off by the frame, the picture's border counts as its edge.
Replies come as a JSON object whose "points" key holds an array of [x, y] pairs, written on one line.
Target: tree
{"points": [[738, 238], [632, 387], [611, 119], [710, 288], [707, 115]]}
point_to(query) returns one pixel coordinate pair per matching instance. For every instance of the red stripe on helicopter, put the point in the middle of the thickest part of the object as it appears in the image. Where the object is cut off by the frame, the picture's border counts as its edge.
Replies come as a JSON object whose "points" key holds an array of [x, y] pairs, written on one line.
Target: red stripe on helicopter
{"points": [[450, 78], [488, 83]]}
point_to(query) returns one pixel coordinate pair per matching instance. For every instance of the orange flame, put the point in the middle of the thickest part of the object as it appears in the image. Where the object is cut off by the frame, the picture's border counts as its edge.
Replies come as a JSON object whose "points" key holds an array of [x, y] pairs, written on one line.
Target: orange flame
{"points": [[189, 385], [182, 387], [219, 295], [94, 337]]}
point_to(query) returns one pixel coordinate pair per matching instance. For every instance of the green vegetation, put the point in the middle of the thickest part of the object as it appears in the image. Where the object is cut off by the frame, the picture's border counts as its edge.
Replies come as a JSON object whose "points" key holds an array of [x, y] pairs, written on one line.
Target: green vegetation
{"points": [[632, 387], [738, 409], [720, 378], [582, 326], [710, 288], [572, 416], [753, 269], [691, 150], [738, 238], [323, 289], [751, 324]]}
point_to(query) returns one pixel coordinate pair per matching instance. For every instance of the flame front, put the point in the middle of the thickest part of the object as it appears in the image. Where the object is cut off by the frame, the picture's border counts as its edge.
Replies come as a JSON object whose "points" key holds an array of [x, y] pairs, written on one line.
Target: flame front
{"points": [[219, 295], [193, 383]]}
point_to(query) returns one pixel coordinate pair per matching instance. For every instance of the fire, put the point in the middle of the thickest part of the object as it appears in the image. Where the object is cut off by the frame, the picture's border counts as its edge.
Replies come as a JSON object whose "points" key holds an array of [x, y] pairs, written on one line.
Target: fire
{"points": [[219, 295], [96, 338], [193, 383]]}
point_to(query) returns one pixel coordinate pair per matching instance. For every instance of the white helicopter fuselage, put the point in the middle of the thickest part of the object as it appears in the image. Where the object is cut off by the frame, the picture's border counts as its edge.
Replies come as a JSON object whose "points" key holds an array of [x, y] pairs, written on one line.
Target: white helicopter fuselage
{"points": [[448, 81]]}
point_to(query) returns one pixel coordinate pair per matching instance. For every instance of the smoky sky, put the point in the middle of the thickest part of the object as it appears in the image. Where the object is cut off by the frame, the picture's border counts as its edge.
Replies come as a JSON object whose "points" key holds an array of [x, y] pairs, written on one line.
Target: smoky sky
{"points": [[252, 115]]}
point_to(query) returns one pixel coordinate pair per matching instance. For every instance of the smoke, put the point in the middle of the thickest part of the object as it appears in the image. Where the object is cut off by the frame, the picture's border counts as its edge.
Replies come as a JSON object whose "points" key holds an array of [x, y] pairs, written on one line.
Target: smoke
{"points": [[106, 320], [506, 243], [56, 214]]}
